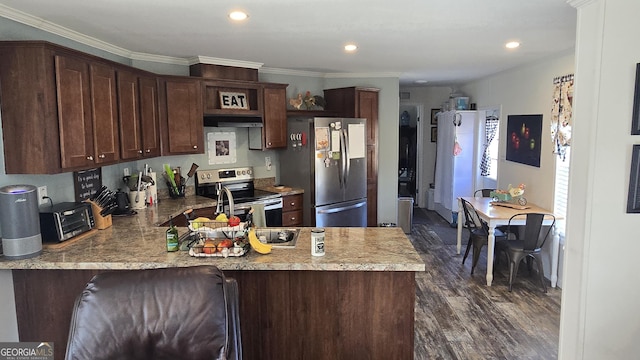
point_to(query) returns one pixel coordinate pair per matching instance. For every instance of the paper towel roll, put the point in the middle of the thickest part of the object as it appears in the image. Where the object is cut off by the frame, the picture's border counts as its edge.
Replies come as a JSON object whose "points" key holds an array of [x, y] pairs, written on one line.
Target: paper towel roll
{"points": [[152, 191]]}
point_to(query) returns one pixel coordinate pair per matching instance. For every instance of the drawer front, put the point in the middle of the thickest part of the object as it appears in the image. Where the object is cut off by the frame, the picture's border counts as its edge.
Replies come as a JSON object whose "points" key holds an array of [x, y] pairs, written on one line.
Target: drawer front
{"points": [[292, 218], [292, 202]]}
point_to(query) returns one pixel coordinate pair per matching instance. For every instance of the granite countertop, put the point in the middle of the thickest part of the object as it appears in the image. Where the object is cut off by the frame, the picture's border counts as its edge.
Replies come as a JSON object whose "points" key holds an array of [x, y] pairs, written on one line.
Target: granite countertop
{"points": [[136, 242]]}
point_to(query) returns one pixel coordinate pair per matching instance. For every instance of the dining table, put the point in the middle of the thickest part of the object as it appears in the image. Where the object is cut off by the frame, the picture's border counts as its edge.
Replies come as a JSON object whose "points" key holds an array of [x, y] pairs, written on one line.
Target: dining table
{"points": [[496, 213]]}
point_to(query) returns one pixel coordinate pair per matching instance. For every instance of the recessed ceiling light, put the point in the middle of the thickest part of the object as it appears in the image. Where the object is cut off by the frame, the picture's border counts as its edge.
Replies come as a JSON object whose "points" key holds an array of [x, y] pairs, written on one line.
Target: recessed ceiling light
{"points": [[238, 15], [512, 45], [421, 81], [350, 47]]}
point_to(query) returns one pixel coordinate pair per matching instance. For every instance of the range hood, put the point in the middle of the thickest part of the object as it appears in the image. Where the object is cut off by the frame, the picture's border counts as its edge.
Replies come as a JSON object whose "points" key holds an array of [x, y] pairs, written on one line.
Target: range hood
{"points": [[233, 121]]}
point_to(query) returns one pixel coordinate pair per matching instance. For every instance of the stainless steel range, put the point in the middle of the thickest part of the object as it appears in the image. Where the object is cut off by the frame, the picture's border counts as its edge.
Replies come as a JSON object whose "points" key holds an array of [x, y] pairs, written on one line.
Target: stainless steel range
{"points": [[239, 181]]}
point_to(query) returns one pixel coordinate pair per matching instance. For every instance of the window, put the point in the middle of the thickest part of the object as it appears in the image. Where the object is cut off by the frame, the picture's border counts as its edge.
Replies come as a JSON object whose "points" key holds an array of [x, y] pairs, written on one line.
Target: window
{"points": [[489, 157], [561, 189], [493, 155]]}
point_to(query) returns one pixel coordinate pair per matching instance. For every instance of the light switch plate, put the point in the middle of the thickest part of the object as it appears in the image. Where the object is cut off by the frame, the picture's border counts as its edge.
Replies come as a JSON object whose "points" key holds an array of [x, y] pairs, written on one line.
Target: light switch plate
{"points": [[127, 172], [267, 162]]}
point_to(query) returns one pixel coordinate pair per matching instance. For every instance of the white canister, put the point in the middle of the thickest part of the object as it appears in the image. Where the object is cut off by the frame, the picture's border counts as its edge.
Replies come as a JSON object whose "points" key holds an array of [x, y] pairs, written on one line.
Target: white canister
{"points": [[317, 242], [136, 205]]}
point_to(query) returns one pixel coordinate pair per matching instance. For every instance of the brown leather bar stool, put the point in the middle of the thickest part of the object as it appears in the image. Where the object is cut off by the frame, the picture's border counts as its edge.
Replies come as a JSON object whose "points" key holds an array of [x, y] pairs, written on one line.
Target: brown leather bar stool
{"points": [[174, 313]]}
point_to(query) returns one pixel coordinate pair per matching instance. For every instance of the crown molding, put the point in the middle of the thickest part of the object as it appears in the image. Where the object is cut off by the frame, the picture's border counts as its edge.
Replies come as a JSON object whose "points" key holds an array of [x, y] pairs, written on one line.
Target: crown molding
{"points": [[580, 3], [225, 62], [362, 75], [159, 58], [66, 33], [279, 71], [52, 28]]}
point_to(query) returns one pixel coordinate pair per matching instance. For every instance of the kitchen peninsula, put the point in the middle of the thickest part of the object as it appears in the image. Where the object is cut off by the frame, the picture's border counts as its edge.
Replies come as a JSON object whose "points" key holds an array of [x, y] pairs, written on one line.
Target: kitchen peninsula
{"points": [[357, 301]]}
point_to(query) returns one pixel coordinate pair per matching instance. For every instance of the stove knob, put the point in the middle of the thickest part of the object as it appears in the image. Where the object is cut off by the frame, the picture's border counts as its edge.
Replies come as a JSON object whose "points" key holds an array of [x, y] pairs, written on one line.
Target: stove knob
{"points": [[243, 172], [248, 172], [208, 176]]}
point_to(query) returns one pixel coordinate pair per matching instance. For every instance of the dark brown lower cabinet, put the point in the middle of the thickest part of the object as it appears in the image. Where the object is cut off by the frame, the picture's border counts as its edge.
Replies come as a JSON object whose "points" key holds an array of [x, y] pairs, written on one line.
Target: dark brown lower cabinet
{"points": [[284, 314]]}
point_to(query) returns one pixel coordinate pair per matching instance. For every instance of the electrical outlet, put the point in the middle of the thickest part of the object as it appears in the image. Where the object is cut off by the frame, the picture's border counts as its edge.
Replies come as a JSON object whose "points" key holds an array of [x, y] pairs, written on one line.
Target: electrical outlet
{"points": [[267, 161], [42, 193], [127, 172]]}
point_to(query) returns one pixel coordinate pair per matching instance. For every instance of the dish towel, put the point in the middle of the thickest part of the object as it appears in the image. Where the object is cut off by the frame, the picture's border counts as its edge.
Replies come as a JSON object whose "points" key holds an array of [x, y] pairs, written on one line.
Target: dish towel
{"points": [[258, 215]]}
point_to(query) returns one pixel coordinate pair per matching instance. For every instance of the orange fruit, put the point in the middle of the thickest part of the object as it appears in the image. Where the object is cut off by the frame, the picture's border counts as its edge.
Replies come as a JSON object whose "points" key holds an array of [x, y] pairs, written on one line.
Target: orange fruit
{"points": [[209, 247]]}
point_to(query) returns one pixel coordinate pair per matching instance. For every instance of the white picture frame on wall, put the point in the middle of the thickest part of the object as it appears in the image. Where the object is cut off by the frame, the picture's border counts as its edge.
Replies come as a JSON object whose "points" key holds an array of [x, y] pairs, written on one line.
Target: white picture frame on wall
{"points": [[221, 147]]}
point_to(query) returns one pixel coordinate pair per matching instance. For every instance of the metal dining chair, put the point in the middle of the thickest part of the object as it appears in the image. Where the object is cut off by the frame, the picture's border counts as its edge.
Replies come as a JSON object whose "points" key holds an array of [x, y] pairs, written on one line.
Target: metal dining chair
{"points": [[483, 192], [478, 233], [529, 247]]}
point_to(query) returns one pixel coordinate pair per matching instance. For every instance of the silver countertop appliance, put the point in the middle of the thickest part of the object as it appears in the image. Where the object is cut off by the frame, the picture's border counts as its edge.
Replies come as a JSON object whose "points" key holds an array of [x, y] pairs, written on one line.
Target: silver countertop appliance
{"points": [[20, 223]]}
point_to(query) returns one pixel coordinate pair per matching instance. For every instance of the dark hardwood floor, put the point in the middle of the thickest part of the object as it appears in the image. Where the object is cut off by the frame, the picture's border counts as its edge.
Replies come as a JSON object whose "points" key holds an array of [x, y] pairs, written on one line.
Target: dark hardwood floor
{"points": [[459, 317]]}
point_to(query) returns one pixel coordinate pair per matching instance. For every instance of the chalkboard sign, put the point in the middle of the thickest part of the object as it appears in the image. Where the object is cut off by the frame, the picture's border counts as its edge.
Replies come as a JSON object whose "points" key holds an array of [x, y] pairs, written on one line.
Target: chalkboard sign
{"points": [[87, 183]]}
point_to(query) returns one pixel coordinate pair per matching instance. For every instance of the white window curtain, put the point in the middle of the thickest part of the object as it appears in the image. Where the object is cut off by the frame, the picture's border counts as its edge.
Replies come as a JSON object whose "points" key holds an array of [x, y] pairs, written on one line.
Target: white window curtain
{"points": [[490, 129], [561, 113]]}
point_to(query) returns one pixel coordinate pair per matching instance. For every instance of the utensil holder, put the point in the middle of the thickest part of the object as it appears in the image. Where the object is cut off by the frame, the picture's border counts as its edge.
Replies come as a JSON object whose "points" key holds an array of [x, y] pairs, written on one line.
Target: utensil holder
{"points": [[101, 222], [137, 205], [173, 193]]}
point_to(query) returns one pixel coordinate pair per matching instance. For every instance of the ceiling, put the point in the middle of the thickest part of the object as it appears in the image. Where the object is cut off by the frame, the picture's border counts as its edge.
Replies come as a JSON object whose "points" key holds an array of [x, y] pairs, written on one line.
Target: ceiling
{"points": [[441, 41]]}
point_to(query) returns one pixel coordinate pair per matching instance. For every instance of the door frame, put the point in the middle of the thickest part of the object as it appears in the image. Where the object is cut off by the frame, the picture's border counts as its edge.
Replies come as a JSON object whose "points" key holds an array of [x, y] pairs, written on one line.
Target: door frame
{"points": [[419, 200]]}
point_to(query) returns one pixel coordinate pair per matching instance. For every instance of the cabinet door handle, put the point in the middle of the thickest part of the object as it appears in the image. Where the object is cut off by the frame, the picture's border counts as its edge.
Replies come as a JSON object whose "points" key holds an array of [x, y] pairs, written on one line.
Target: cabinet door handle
{"points": [[89, 157], [293, 204], [269, 144], [102, 156], [139, 151], [195, 146], [148, 150]]}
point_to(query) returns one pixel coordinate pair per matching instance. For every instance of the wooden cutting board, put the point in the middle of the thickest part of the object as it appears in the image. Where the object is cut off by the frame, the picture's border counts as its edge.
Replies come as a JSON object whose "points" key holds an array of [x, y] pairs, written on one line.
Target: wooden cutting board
{"points": [[278, 188], [61, 245]]}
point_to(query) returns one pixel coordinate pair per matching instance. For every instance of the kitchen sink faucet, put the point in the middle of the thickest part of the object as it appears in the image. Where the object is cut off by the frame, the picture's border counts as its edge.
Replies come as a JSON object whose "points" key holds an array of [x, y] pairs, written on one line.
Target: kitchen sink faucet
{"points": [[220, 205]]}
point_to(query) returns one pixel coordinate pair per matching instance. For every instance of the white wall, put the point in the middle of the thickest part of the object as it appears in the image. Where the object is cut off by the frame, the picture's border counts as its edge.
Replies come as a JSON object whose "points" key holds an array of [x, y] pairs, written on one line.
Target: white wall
{"points": [[9, 327], [525, 90], [600, 317]]}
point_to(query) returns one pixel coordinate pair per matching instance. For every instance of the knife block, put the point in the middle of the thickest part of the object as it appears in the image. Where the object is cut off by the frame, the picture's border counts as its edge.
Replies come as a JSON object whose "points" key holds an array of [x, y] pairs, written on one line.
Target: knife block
{"points": [[102, 222]]}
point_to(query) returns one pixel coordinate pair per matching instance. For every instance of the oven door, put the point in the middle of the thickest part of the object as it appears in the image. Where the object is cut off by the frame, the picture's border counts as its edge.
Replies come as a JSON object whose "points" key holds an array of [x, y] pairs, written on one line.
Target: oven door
{"points": [[272, 211]]}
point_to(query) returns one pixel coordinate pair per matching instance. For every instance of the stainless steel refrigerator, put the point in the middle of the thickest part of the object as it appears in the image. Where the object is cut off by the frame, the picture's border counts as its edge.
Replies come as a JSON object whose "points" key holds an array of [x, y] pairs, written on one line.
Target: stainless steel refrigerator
{"points": [[327, 158]]}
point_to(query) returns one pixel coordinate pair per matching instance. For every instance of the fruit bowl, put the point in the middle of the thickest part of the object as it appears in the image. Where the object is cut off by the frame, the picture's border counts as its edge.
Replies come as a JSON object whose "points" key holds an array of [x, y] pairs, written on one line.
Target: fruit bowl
{"points": [[220, 247]]}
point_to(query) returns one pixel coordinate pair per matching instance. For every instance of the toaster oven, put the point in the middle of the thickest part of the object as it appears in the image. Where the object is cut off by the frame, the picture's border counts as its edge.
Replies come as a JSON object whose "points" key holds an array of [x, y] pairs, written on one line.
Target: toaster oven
{"points": [[65, 220]]}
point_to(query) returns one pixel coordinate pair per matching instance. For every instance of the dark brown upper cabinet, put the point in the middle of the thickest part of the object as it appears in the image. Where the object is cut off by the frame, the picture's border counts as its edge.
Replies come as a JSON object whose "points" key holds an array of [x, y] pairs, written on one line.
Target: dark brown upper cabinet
{"points": [[273, 133], [59, 109], [181, 117], [138, 114], [275, 116]]}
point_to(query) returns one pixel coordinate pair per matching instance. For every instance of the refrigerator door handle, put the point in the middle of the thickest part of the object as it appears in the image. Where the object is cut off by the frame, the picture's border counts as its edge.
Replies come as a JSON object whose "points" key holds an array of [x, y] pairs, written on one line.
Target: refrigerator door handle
{"points": [[343, 208], [348, 157], [347, 162]]}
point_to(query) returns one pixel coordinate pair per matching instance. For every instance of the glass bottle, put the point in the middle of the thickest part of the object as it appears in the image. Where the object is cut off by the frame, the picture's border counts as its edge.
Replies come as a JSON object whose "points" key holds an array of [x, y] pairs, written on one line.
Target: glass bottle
{"points": [[172, 238]]}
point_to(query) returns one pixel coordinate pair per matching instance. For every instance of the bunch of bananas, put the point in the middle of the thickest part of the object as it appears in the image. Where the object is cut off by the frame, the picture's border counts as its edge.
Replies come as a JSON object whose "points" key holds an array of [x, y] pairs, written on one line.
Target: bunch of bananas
{"points": [[256, 244]]}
